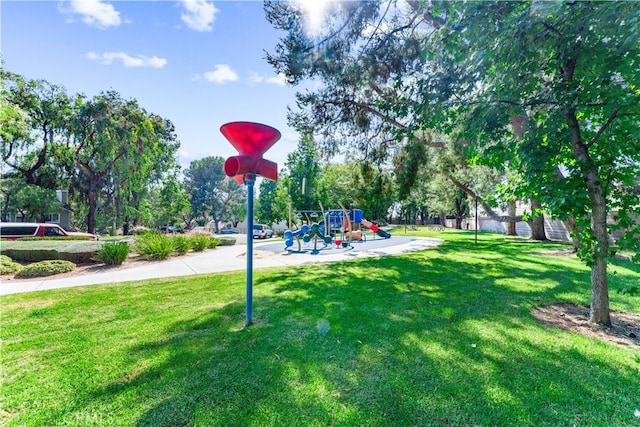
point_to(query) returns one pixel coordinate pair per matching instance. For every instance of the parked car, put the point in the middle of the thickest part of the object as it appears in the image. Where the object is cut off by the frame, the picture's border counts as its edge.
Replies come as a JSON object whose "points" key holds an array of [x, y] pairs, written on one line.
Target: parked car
{"points": [[227, 229], [261, 231], [170, 229], [17, 230]]}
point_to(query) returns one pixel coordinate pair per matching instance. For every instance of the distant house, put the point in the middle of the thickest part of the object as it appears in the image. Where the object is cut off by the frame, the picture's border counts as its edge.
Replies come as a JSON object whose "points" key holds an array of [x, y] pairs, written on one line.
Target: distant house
{"points": [[62, 216], [555, 229]]}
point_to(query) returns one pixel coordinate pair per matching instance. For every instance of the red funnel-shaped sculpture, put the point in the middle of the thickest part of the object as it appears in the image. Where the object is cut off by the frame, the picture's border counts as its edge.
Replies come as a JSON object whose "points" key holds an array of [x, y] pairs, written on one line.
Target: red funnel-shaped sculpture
{"points": [[251, 140]]}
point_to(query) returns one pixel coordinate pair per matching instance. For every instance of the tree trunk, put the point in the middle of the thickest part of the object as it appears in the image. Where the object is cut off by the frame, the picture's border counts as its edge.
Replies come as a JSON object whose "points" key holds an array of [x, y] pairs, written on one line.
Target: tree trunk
{"points": [[459, 213], [572, 228], [537, 222], [424, 213], [599, 312], [511, 226], [93, 203]]}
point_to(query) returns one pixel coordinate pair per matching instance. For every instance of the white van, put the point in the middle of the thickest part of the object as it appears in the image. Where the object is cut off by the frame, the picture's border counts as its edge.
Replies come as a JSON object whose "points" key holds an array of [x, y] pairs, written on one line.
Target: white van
{"points": [[17, 230], [261, 231]]}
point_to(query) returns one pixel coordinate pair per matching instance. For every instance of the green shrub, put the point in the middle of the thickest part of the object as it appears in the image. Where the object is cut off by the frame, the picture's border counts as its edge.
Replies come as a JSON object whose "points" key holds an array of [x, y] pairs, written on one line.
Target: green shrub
{"points": [[76, 251], [8, 266], [213, 242], [226, 241], [196, 232], [199, 242], [46, 268], [113, 253], [153, 246], [181, 244]]}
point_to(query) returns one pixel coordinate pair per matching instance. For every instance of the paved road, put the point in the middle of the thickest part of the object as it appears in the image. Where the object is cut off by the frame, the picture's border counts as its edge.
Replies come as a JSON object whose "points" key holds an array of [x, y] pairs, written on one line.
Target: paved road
{"points": [[225, 258]]}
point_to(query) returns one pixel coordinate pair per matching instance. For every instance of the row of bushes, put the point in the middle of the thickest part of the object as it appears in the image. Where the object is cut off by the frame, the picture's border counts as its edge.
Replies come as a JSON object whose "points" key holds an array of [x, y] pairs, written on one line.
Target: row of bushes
{"points": [[36, 269], [151, 246], [78, 252], [155, 246], [162, 246]]}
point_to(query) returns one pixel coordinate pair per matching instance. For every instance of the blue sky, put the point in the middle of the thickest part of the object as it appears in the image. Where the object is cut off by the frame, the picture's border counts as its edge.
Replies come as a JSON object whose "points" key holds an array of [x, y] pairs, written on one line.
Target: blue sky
{"points": [[197, 63]]}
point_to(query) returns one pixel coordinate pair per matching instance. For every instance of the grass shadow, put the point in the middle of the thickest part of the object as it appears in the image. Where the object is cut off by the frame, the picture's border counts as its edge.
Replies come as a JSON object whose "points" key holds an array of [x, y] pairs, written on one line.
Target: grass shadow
{"points": [[440, 337]]}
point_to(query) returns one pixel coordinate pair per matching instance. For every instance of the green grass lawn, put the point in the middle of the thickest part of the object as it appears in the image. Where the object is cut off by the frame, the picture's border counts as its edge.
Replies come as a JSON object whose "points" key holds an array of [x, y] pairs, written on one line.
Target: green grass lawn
{"points": [[442, 337]]}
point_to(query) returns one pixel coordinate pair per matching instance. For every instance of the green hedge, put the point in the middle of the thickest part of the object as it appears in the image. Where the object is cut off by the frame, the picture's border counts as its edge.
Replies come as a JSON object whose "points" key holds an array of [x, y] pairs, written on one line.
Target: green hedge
{"points": [[76, 251], [226, 241]]}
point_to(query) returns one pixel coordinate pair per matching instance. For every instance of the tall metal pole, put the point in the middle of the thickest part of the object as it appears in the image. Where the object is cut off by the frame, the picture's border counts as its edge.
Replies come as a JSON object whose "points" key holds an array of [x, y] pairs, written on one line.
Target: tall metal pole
{"points": [[249, 180]]}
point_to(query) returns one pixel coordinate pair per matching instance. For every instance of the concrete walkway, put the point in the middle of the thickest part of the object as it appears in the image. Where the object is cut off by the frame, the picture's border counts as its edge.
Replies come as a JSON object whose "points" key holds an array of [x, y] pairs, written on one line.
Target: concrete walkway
{"points": [[224, 258]]}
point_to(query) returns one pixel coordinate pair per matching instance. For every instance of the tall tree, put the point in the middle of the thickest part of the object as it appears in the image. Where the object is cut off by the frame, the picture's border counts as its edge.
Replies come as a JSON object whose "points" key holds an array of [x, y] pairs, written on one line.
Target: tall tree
{"points": [[172, 202], [14, 120], [373, 191], [570, 70], [337, 185], [118, 146], [567, 71], [35, 203], [35, 116], [213, 195], [364, 56], [345, 111], [155, 163], [266, 208], [303, 169]]}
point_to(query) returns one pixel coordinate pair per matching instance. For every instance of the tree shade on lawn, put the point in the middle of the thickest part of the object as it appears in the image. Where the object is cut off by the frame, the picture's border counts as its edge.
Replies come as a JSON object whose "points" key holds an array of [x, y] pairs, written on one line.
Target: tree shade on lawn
{"points": [[440, 336]]}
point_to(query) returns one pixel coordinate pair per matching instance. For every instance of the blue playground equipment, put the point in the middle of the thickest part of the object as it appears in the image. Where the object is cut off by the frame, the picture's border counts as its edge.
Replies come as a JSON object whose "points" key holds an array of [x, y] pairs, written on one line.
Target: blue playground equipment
{"points": [[338, 223], [289, 235], [317, 231]]}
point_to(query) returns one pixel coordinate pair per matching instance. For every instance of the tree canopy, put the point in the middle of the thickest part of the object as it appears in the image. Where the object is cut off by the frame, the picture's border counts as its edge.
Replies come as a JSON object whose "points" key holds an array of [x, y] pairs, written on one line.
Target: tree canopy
{"points": [[213, 194], [106, 150], [547, 90]]}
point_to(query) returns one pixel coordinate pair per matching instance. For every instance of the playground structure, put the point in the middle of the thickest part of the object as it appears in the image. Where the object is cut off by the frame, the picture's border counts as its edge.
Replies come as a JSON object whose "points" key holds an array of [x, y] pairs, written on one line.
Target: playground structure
{"points": [[339, 226]]}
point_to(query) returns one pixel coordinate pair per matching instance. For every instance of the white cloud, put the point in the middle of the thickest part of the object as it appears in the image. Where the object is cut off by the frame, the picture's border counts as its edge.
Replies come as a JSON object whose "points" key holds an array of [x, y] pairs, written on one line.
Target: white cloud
{"points": [[222, 73], [278, 80], [199, 15], [127, 60], [95, 13]]}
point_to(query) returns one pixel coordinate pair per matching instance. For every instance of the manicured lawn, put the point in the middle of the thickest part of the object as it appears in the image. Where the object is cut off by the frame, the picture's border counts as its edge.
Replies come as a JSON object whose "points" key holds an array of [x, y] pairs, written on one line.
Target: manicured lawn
{"points": [[442, 337]]}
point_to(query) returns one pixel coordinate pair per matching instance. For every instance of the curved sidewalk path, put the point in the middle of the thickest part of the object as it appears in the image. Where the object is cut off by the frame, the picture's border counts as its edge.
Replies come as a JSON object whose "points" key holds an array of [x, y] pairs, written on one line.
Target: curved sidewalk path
{"points": [[225, 258]]}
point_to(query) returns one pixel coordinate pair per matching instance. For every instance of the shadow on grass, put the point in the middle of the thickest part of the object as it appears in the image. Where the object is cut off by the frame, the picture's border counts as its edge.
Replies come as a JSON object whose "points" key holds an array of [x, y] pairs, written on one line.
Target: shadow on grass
{"points": [[442, 337]]}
